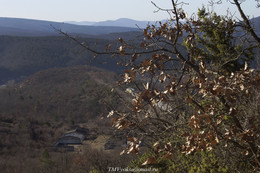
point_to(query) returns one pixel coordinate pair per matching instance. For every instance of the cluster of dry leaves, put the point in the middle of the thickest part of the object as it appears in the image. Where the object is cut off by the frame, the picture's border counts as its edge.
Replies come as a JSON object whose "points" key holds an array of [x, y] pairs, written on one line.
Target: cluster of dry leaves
{"points": [[182, 103]]}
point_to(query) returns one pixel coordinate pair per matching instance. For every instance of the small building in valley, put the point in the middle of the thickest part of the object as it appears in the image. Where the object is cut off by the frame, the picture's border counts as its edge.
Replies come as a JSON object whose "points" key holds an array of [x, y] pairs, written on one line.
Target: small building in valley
{"points": [[68, 140], [71, 139]]}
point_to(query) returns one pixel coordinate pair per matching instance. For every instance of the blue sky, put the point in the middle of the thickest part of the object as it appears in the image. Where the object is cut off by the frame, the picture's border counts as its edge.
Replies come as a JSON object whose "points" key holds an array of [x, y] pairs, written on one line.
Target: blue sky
{"points": [[100, 10]]}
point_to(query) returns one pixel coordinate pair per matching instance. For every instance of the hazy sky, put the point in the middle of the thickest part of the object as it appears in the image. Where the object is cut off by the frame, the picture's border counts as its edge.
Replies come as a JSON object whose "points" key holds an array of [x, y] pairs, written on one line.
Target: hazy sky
{"points": [[99, 10]]}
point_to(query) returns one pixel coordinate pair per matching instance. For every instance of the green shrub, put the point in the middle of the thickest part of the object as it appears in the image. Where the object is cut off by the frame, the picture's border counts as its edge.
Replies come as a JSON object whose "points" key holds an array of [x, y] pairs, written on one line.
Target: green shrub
{"points": [[200, 162]]}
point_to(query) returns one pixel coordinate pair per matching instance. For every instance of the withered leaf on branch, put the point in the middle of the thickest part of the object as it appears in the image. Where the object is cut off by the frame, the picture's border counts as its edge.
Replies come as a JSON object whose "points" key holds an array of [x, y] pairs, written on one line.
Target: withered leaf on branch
{"points": [[121, 40], [149, 161], [134, 56], [108, 46]]}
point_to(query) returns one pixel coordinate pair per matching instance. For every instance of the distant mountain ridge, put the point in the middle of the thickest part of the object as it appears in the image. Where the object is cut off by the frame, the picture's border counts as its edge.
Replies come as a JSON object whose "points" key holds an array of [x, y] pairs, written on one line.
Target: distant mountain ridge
{"points": [[122, 22], [30, 27]]}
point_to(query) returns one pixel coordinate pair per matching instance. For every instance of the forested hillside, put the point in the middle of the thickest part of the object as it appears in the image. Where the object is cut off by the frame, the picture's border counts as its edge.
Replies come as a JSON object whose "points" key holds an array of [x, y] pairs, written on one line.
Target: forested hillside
{"points": [[23, 56], [59, 93]]}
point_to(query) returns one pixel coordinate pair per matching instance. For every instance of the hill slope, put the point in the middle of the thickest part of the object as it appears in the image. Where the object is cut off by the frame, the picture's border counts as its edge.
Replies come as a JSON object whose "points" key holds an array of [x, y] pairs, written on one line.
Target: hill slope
{"points": [[23, 56], [62, 92], [37, 112]]}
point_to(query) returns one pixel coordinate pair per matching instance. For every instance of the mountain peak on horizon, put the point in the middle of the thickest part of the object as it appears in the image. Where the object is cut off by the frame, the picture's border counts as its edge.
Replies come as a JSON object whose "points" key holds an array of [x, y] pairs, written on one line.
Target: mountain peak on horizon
{"points": [[120, 22]]}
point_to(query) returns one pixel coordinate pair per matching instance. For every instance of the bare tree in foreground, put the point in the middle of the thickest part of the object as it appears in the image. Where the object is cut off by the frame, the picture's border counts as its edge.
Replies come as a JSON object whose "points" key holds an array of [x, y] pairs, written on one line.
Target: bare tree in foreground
{"points": [[191, 87]]}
